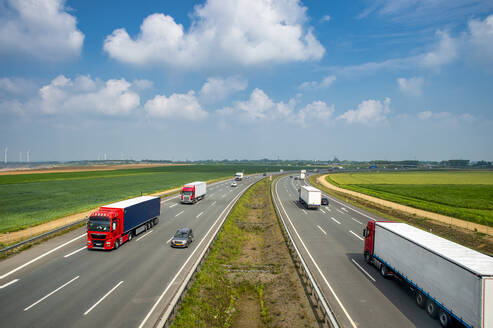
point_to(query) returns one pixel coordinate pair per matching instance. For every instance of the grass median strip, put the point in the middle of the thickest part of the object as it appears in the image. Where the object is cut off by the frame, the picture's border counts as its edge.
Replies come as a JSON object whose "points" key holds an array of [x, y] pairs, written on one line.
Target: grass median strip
{"points": [[248, 278]]}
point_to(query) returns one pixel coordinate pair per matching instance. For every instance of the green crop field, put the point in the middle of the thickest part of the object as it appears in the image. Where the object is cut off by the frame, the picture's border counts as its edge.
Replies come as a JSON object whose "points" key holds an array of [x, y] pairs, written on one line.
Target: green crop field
{"points": [[465, 195], [30, 199]]}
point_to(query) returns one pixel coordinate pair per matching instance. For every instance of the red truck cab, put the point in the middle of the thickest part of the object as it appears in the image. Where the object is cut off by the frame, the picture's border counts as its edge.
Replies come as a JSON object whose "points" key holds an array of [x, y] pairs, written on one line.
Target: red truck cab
{"points": [[105, 228], [188, 191], [369, 234]]}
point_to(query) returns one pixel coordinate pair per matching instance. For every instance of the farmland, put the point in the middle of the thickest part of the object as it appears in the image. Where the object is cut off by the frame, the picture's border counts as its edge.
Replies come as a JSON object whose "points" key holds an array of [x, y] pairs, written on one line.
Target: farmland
{"points": [[464, 195], [30, 199]]}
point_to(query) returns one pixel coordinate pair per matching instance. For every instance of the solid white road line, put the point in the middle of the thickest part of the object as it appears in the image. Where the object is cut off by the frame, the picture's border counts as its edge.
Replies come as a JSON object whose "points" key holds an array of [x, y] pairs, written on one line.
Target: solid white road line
{"points": [[172, 282], [199, 214], [41, 256], [76, 251], [9, 283], [179, 213], [304, 211], [150, 231], [357, 221], [102, 298], [364, 271], [53, 292], [335, 220], [173, 205], [316, 265], [356, 235], [321, 229]]}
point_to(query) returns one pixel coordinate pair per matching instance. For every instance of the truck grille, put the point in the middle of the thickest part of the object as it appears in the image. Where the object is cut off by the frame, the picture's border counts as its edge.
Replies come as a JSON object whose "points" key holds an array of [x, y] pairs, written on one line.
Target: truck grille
{"points": [[98, 236]]}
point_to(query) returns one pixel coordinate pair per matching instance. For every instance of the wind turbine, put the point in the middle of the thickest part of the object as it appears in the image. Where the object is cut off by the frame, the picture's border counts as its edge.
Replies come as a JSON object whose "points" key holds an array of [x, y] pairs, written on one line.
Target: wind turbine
{"points": [[27, 155]]}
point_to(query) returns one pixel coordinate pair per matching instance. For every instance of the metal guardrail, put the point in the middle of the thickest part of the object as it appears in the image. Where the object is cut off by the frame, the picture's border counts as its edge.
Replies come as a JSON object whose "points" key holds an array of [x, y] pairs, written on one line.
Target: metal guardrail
{"points": [[329, 318], [170, 311]]}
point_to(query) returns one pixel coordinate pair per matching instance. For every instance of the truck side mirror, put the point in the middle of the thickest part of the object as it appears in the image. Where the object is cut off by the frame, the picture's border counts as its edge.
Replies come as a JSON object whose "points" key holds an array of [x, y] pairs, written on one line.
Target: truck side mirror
{"points": [[114, 226], [365, 232]]}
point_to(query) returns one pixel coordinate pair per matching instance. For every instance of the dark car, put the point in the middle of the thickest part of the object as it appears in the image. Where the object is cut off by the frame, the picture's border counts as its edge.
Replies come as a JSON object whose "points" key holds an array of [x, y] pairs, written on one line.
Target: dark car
{"points": [[182, 238], [325, 201], [265, 174]]}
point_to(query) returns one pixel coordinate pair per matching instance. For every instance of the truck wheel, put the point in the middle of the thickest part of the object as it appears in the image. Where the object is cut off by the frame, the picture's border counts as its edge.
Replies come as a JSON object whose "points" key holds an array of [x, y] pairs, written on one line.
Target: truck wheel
{"points": [[431, 308], [117, 244], [130, 236], [384, 271], [367, 258], [444, 318], [150, 224], [156, 221], [420, 299]]}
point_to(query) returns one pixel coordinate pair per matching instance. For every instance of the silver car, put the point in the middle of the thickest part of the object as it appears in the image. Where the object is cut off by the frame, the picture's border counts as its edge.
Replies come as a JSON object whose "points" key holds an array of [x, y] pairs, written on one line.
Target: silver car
{"points": [[182, 238]]}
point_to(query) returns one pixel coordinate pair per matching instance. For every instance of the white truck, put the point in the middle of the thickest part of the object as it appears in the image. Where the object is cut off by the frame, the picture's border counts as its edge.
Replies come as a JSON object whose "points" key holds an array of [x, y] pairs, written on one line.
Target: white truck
{"points": [[310, 197], [239, 176], [302, 174], [193, 192], [452, 282]]}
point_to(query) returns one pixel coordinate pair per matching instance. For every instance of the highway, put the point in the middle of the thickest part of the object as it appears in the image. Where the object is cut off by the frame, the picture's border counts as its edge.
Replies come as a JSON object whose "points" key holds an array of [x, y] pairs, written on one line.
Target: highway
{"points": [[331, 243], [60, 283]]}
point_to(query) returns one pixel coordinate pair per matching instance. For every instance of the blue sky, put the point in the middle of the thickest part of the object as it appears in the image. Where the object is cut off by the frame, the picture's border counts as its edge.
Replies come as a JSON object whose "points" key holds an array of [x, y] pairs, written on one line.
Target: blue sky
{"points": [[360, 80]]}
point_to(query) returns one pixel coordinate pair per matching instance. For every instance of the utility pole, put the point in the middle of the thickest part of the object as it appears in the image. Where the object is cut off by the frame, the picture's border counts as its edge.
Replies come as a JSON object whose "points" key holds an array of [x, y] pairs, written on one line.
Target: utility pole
{"points": [[5, 154]]}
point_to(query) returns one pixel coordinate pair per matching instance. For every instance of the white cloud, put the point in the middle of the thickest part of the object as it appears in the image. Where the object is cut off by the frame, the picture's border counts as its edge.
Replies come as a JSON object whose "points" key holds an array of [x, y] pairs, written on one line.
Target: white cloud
{"points": [[39, 28], [444, 53], [412, 86], [177, 105], [260, 107], [325, 83], [369, 112], [16, 86], [143, 84], [425, 115], [480, 40], [217, 89], [243, 32], [326, 18]]}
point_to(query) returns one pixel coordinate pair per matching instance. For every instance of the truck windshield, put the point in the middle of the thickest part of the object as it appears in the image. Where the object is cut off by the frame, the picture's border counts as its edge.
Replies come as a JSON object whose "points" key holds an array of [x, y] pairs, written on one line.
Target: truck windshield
{"points": [[186, 193], [99, 224]]}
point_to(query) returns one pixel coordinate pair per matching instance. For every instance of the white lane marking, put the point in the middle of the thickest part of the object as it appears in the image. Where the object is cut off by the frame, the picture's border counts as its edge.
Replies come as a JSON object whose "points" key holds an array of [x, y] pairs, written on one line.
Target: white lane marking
{"points": [[102, 298], [321, 229], [9, 283], [169, 240], [172, 282], [352, 209], [304, 211], [144, 235], [41, 256], [356, 235], [316, 265], [357, 221], [210, 205], [342, 208], [223, 195], [53, 292], [76, 251], [179, 213], [364, 271], [328, 209], [338, 210], [335, 220], [199, 214], [173, 205], [322, 210]]}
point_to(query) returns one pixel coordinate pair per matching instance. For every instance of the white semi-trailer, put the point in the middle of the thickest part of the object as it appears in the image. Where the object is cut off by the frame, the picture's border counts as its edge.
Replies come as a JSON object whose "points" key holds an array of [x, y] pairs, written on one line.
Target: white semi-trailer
{"points": [[239, 176], [193, 192], [302, 174], [452, 282], [310, 197]]}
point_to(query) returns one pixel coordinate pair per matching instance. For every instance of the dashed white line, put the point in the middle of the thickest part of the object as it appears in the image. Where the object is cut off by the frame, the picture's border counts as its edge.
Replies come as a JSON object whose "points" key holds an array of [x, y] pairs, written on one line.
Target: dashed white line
{"points": [[53, 292], [102, 298], [199, 214], [322, 210], [76, 251], [173, 205], [356, 235], [357, 221], [169, 240], [338, 210], [335, 220], [328, 209], [304, 211], [41, 256], [150, 231], [9, 283], [342, 208], [364, 271], [179, 213], [321, 229]]}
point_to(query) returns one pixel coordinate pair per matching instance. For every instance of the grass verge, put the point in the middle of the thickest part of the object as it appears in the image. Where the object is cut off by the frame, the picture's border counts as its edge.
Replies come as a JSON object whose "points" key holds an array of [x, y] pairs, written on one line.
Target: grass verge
{"points": [[475, 240], [248, 278]]}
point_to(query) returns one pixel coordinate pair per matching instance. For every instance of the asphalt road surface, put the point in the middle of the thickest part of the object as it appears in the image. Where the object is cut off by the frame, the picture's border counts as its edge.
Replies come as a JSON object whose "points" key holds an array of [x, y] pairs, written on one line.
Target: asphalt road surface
{"points": [[60, 283], [331, 243]]}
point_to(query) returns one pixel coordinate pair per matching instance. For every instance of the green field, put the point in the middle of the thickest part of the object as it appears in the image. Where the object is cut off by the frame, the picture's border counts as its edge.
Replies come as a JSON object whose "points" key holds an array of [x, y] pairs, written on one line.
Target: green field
{"points": [[30, 199], [465, 195]]}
